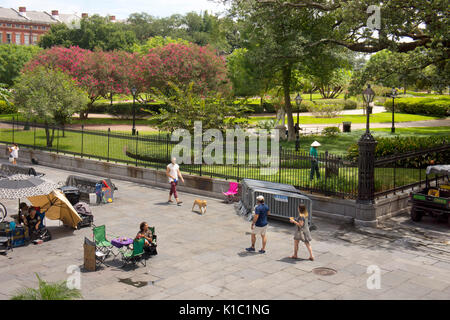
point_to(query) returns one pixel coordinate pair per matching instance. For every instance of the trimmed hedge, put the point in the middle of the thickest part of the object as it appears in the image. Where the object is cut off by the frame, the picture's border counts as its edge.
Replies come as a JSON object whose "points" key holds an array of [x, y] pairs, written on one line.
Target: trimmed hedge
{"points": [[438, 107], [7, 108], [125, 110], [347, 103], [331, 131], [268, 107], [398, 145]]}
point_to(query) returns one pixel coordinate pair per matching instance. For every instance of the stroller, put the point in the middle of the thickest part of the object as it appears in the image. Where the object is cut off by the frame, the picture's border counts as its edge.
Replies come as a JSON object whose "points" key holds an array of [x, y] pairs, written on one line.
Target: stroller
{"points": [[85, 213]]}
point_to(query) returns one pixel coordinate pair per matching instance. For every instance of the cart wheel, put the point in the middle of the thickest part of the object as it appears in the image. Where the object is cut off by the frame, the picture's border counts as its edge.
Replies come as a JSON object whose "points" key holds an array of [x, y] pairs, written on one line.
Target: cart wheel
{"points": [[416, 215], [3, 212]]}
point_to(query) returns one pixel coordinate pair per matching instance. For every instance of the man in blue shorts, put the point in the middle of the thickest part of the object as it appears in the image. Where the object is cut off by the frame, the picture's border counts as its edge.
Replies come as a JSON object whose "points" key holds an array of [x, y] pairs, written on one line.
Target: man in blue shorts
{"points": [[259, 224]]}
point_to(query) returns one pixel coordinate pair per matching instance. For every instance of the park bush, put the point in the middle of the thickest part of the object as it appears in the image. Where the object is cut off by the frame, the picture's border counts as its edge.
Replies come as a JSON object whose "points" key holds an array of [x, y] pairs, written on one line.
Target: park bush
{"points": [[6, 108], [268, 107], [381, 91], [125, 110], [438, 107], [399, 145], [331, 131], [326, 110], [303, 106], [306, 105], [255, 108], [346, 103]]}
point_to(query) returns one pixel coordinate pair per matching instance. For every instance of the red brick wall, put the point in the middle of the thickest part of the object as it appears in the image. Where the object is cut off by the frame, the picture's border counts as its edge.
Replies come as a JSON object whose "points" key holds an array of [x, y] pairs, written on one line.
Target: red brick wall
{"points": [[23, 31]]}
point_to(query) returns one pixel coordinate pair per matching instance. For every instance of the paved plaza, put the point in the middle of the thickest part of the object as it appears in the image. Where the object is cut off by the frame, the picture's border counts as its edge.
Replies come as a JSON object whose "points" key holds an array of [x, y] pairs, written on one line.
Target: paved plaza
{"points": [[203, 257]]}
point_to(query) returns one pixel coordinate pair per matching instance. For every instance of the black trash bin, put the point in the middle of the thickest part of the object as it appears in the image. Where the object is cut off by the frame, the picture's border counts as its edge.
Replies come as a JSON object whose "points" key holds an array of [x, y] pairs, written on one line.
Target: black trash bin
{"points": [[72, 194], [346, 126]]}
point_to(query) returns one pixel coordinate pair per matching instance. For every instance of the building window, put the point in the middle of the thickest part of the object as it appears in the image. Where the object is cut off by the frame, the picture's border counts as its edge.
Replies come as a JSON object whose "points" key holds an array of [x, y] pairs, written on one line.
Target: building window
{"points": [[8, 38], [35, 27], [26, 39], [35, 39], [9, 25], [18, 41]]}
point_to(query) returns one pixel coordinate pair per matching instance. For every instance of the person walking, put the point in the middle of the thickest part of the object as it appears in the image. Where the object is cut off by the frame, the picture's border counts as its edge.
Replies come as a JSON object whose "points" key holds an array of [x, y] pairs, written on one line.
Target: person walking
{"points": [[14, 153], [259, 225], [173, 173], [302, 232], [314, 160]]}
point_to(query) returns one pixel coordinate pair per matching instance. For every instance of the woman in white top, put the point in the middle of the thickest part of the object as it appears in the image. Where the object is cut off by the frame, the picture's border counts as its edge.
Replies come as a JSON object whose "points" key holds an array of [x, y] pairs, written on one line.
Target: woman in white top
{"points": [[173, 172], [14, 153]]}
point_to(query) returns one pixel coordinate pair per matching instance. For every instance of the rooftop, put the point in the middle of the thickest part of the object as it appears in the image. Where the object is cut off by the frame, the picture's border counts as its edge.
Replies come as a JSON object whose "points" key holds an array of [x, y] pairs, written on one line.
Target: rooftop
{"points": [[22, 15]]}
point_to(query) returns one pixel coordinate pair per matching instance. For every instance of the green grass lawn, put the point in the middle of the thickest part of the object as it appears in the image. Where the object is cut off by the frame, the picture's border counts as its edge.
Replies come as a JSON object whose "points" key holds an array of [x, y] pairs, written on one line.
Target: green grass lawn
{"points": [[340, 143], [384, 117]]}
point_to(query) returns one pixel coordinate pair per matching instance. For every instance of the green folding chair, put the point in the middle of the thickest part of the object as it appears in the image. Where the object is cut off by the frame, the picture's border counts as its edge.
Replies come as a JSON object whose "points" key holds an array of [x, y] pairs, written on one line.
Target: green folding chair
{"points": [[135, 255], [101, 242]]}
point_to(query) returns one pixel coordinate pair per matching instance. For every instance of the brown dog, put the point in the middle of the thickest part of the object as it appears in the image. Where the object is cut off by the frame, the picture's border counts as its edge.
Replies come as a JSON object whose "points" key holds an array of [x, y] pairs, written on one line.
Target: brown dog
{"points": [[201, 205]]}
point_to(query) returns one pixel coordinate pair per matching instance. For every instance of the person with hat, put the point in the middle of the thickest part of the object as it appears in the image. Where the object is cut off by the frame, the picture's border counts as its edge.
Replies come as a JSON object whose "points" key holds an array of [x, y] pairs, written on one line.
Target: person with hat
{"points": [[314, 160], [259, 224]]}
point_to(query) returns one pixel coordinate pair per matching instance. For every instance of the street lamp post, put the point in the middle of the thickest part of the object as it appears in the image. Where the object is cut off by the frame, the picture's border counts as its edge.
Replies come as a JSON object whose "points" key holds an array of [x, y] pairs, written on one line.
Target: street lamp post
{"points": [[133, 91], [368, 96], [298, 101], [393, 95], [366, 159]]}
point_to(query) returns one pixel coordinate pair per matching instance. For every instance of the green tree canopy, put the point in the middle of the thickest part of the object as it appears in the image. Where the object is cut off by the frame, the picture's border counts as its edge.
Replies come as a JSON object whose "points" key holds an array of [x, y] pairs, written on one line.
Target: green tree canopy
{"points": [[50, 96], [156, 42], [12, 59], [95, 32]]}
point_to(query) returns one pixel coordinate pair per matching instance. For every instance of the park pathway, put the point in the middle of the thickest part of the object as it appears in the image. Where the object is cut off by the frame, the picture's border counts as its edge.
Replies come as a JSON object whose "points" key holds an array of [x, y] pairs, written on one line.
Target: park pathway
{"points": [[311, 128], [307, 128]]}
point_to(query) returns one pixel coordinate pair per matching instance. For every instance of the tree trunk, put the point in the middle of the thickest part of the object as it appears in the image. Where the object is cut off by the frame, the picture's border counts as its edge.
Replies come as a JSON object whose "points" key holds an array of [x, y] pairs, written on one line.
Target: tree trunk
{"points": [[49, 136], [287, 73]]}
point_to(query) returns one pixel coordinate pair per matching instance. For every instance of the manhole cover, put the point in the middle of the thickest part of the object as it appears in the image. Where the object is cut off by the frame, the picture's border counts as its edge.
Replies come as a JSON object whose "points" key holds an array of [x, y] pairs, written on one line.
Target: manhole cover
{"points": [[324, 271]]}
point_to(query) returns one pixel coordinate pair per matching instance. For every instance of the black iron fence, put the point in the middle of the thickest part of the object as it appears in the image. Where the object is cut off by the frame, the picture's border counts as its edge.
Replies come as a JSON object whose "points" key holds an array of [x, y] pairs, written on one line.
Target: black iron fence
{"points": [[407, 171], [334, 176]]}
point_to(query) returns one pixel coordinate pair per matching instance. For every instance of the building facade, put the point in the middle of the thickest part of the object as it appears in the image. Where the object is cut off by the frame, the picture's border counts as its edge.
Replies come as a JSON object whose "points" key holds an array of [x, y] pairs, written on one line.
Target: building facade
{"points": [[24, 27]]}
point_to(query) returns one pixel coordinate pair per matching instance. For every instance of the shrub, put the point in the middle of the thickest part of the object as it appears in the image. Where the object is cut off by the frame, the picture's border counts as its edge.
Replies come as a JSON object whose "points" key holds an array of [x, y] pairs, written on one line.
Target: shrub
{"points": [[438, 107], [398, 145], [381, 91], [48, 291], [331, 131], [6, 108], [303, 106], [346, 103], [125, 110], [268, 125], [326, 110], [255, 108], [269, 107]]}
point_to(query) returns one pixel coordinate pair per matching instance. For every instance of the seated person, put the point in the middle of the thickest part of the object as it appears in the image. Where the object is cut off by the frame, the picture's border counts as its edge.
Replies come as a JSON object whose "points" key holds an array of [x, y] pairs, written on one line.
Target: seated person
{"points": [[33, 222], [23, 213], [144, 232]]}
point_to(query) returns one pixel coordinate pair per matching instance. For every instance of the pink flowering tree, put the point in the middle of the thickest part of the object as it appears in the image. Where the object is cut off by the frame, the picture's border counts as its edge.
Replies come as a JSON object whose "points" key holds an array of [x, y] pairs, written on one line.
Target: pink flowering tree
{"points": [[98, 73], [103, 74], [183, 64]]}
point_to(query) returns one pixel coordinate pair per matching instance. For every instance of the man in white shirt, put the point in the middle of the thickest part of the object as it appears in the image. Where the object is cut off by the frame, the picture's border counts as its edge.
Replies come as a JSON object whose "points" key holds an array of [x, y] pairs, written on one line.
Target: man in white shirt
{"points": [[173, 172]]}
